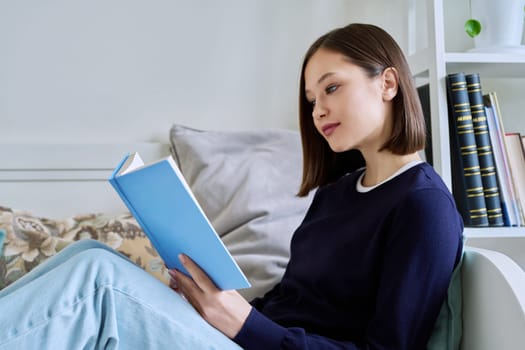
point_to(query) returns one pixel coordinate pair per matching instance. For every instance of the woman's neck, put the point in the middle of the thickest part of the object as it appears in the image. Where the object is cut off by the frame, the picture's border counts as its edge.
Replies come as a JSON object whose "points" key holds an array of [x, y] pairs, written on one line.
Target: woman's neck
{"points": [[380, 166]]}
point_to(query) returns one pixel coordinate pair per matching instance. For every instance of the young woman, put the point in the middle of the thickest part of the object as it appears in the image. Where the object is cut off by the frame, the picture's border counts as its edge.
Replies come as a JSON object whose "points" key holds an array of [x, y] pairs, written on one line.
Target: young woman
{"points": [[370, 264]]}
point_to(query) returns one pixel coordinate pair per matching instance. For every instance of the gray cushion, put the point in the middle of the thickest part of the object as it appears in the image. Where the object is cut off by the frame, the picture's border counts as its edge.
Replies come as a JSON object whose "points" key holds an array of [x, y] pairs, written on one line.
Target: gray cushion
{"points": [[246, 181]]}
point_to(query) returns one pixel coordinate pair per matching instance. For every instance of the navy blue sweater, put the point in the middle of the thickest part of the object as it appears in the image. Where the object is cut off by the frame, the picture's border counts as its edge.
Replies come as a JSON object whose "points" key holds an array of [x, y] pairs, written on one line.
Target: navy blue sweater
{"points": [[367, 270]]}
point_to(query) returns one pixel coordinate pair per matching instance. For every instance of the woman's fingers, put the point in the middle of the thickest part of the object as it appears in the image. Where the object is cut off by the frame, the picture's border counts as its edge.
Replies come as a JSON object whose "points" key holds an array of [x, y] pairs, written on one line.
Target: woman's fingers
{"points": [[199, 276], [225, 310], [173, 282], [182, 281], [185, 286]]}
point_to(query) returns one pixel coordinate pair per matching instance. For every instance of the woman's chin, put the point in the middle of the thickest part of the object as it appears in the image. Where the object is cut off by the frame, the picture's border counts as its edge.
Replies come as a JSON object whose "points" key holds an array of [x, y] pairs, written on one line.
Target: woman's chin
{"points": [[339, 145], [339, 148]]}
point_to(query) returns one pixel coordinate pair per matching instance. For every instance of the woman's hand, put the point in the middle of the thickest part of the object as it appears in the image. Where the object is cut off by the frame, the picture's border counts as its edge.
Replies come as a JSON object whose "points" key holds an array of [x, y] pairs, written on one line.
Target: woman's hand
{"points": [[225, 310]]}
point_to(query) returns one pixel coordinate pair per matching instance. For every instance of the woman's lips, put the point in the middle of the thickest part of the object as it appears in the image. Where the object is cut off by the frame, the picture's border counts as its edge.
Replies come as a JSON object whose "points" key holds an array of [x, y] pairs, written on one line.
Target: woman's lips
{"points": [[328, 129]]}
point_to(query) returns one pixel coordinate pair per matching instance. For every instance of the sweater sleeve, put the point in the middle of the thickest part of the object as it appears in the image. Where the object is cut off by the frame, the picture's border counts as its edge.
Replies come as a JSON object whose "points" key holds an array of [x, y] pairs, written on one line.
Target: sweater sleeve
{"points": [[261, 333], [422, 248]]}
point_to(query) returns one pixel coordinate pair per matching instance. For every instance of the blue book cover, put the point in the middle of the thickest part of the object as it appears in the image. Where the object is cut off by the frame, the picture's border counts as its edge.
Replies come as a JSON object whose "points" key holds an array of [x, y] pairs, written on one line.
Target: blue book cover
{"points": [[164, 206]]}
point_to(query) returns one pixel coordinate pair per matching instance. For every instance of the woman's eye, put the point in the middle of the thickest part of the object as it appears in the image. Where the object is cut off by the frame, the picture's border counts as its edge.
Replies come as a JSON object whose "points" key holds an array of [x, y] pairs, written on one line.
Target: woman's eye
{"points": [[331, 88], [312, 103]]}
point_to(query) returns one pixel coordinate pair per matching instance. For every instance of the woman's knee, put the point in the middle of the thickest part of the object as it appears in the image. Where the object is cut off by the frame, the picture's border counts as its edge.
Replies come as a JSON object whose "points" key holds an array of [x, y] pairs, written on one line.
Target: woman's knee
{"points": [[90, 249], [99, 263], [85, 244]]}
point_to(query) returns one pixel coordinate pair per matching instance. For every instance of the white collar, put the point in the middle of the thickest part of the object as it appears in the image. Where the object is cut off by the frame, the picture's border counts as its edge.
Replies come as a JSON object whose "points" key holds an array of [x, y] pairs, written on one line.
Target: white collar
{"points": [[363, 189]]}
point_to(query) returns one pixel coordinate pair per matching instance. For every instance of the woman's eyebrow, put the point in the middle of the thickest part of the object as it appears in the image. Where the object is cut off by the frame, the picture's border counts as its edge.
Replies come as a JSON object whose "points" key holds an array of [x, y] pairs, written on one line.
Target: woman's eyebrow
{"points": [[324, 76], [321, 79]]}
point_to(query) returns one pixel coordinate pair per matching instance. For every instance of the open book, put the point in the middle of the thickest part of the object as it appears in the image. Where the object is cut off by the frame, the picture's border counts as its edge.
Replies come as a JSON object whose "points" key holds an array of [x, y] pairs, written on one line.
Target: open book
{"points": [[163, 204]]}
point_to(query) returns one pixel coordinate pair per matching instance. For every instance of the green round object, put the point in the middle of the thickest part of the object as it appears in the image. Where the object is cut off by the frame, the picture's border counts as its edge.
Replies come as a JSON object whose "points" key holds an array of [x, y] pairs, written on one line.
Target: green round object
{"points": [[472, 27]]}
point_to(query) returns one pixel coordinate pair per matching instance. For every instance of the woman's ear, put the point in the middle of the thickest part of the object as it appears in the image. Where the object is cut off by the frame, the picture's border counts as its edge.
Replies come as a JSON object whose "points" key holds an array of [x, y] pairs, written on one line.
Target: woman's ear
{"points": [[390, 83]]}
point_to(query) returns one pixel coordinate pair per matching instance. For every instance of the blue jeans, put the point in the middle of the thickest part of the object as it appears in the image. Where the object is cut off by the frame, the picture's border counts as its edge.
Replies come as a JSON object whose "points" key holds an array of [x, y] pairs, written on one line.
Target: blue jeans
{"points": [[90, 297]]}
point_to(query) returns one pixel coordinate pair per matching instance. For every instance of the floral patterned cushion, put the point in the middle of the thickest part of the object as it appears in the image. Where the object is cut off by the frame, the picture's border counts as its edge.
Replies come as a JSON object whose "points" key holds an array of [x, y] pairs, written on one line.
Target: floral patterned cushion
{"points": [[30, 240]]}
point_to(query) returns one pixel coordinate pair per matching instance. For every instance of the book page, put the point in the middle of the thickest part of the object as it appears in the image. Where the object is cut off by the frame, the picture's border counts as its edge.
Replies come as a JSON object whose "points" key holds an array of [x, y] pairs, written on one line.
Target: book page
{"points": [[133, 162]]}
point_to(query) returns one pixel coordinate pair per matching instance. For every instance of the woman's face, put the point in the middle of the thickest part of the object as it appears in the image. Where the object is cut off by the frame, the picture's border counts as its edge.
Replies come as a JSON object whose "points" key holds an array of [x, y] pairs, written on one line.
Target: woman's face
{"points": [[350, 110]]}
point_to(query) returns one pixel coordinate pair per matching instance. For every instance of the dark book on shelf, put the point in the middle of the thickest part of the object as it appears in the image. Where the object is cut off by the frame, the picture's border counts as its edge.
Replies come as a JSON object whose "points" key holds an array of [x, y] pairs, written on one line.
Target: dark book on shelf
{"points": [[467, 185], [424, 96], [484, 148]]}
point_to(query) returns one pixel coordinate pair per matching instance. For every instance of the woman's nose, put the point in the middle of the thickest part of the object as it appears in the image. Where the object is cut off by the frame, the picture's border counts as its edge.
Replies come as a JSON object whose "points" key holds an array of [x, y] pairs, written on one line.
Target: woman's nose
{"points": [[319, 111]]}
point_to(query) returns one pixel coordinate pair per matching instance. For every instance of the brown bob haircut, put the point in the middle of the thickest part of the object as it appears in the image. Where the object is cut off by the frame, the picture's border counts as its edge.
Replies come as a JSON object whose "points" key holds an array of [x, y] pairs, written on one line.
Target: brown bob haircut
{"points": [[374, 50]]}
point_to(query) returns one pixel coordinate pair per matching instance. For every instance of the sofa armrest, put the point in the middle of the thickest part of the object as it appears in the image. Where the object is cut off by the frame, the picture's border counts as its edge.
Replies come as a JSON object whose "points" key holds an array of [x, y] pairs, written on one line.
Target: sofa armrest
{"points": [[493, 301]]}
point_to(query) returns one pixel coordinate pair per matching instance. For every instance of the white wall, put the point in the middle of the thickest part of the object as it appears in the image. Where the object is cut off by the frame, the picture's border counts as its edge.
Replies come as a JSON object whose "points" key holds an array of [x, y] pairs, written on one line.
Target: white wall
{"points": [[126, 70]]}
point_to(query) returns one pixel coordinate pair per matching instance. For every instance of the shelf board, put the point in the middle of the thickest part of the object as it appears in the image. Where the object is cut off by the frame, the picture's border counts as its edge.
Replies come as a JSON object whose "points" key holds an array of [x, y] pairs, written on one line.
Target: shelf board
{"points": [[492, 58], [489, 65], [494, 232], [500, 65]]}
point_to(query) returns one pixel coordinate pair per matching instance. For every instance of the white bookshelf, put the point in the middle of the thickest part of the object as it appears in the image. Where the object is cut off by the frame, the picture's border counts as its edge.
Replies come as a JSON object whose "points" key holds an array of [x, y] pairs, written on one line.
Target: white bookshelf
{"points": [[431, 65], [490, 232]]}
